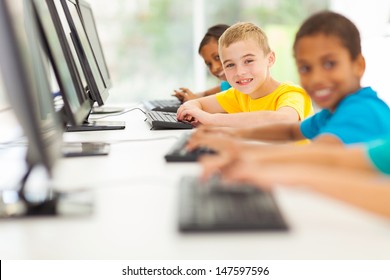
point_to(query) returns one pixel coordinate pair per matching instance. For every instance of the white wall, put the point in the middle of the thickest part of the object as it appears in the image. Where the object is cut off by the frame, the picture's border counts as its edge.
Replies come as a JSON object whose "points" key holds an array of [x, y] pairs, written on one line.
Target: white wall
{"points": [[372, 19]]}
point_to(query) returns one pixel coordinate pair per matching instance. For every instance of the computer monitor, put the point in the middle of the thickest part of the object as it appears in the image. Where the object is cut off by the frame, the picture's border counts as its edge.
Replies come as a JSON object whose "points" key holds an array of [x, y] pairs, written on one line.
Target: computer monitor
{"points": [[89, 23], [73, 26], [28, 93], [28, 90], [79, 49], [77, 104], [90, 27]]}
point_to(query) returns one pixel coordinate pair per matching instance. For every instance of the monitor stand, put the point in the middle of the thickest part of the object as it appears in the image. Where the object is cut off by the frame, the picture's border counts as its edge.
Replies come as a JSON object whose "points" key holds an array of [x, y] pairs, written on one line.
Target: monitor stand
{"points": [[106, 110], [19, 203], [96, 125], [83, 149], [12, 205]]}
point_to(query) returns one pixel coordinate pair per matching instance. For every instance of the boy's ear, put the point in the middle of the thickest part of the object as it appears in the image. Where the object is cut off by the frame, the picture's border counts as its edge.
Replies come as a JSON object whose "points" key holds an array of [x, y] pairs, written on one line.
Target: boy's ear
{"points": [[360, 65], [271, 58]]}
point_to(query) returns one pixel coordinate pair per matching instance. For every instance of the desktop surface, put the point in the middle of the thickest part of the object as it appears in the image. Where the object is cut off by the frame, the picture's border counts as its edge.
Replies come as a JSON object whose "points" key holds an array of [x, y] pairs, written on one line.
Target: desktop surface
{"points": [[135, 213]]}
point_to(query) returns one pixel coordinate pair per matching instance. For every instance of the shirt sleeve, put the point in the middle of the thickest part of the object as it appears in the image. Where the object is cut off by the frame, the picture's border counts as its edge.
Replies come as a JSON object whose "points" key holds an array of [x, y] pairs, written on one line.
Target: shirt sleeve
{"points": [[353, 122], [310, 128], [379, 153], [229, 101], [294, 100]]}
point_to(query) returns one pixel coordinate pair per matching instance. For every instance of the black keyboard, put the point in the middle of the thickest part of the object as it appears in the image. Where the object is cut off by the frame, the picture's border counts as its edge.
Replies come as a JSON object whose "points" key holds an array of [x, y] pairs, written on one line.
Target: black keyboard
{"points": [[172, 109], [164, 105], [178, 152], [214, 207], [165, 120]]}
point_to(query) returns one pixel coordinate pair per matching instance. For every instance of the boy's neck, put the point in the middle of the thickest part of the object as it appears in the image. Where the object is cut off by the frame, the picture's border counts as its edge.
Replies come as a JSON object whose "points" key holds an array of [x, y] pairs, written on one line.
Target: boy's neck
{"points": [[268, 87]]}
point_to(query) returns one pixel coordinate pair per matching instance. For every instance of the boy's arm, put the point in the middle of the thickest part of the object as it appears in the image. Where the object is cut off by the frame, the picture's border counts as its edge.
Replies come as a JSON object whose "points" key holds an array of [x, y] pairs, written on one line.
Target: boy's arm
{"points": [[184, 94], [354, 158], [280, 132], [232, 151], [250, 119], [328, 139], [368, 191]]}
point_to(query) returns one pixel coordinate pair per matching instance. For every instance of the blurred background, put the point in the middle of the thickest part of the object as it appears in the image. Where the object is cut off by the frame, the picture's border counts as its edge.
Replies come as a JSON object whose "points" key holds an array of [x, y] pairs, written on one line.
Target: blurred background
{"points": [[151, 46]]}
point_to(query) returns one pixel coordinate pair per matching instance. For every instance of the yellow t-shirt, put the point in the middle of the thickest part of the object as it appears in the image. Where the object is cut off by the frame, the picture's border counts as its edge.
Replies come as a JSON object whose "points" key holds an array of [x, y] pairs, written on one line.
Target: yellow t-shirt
{"points": [[286, 95]]}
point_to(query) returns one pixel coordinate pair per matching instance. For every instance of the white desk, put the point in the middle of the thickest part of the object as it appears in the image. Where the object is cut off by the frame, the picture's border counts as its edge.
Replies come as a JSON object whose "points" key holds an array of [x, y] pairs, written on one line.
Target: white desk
{"points": [[135, 213]]}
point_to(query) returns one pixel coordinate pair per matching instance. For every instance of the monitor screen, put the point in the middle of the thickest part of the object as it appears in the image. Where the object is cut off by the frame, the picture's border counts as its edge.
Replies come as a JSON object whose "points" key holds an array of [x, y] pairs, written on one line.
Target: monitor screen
{"points": [[26, 84], [76, 102], [73, 26], [93, 36]]}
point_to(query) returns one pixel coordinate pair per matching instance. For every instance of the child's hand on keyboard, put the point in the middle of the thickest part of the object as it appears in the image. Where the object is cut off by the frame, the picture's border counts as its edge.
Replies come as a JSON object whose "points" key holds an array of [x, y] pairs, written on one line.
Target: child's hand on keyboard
{"points": [[188, 112]]}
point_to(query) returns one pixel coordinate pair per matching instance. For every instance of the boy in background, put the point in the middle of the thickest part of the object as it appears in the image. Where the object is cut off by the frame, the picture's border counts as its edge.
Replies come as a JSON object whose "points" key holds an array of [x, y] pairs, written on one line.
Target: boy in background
{"points": [[255, 97], [208, 50]]}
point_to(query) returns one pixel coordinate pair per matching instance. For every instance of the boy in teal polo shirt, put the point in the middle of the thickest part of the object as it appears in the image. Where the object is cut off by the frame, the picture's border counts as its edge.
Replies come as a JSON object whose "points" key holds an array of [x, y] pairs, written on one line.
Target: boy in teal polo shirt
{"points": [[330, 64]]}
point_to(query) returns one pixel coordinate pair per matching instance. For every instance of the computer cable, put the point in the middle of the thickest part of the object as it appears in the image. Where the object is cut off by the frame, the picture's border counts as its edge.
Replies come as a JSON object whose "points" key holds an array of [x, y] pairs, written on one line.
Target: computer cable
{"points": [[121, 113]]}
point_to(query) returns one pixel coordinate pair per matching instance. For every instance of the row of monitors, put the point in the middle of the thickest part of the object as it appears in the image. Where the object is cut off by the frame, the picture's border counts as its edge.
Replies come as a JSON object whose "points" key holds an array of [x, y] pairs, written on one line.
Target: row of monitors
{"points": [[63, 33]]}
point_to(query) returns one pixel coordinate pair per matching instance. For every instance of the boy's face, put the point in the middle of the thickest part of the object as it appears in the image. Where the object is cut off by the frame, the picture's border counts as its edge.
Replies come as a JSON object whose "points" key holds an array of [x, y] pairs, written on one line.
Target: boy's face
{"points": [[326, 69], [209, 53], [246, 67]]}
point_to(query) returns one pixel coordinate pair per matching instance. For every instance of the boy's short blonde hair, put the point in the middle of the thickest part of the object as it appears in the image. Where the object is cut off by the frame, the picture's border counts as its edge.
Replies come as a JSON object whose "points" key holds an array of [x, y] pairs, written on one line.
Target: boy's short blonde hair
{"points": [[243, 31]]}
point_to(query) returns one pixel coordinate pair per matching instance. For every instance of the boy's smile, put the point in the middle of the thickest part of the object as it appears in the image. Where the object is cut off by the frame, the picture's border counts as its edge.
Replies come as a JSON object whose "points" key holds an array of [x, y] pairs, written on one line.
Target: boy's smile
{"points": [[326, 69]]}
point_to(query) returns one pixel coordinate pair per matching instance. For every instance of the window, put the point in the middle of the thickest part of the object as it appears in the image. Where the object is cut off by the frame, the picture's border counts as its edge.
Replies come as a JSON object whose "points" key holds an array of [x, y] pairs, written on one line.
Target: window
{"points": [[151, 46]]}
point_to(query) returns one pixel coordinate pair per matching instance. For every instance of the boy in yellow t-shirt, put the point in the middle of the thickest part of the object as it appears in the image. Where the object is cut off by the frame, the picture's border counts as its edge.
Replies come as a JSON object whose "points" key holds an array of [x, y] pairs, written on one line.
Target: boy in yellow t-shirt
{"points": [[255, 97]]}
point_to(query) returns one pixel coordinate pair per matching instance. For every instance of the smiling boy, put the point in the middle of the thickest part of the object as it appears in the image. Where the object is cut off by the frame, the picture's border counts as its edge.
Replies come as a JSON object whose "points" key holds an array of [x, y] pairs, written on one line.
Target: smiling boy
{"points": [[255, 97], [330, 63]]}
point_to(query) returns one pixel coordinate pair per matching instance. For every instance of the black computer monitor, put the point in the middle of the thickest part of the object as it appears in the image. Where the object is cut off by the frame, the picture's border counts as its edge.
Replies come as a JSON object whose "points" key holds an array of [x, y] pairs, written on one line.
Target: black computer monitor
{"points": [[77, 104], [79, 49], [89, 23], [77, 36], [90, 27], [28, 89], [29, 94]]}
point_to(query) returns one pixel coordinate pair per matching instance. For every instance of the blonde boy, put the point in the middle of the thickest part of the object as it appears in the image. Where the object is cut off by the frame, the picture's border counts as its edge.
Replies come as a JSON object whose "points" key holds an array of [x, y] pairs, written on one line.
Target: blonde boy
{"points": [[255, 97]]}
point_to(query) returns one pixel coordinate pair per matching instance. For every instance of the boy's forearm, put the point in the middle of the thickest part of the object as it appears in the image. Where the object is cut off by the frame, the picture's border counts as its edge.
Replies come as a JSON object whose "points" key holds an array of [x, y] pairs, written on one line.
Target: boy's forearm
{"points": [[314, 154], [369, 191], [193, 103], [211, 91], [274, 132], [250, 126]]}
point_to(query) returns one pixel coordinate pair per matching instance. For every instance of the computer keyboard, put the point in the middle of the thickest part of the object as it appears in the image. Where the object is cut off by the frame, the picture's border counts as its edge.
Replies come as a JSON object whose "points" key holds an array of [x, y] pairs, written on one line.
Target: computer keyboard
{"points": [[179, 153], [215, 207], [164, 105], [165, 120], [172, 109]]}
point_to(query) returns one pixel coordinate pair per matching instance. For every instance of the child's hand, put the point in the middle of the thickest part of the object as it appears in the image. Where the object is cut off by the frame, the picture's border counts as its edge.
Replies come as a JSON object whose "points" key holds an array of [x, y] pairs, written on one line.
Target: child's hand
{"points": [[217, 131], [216, 142], [184, 94], [191, 112]]}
